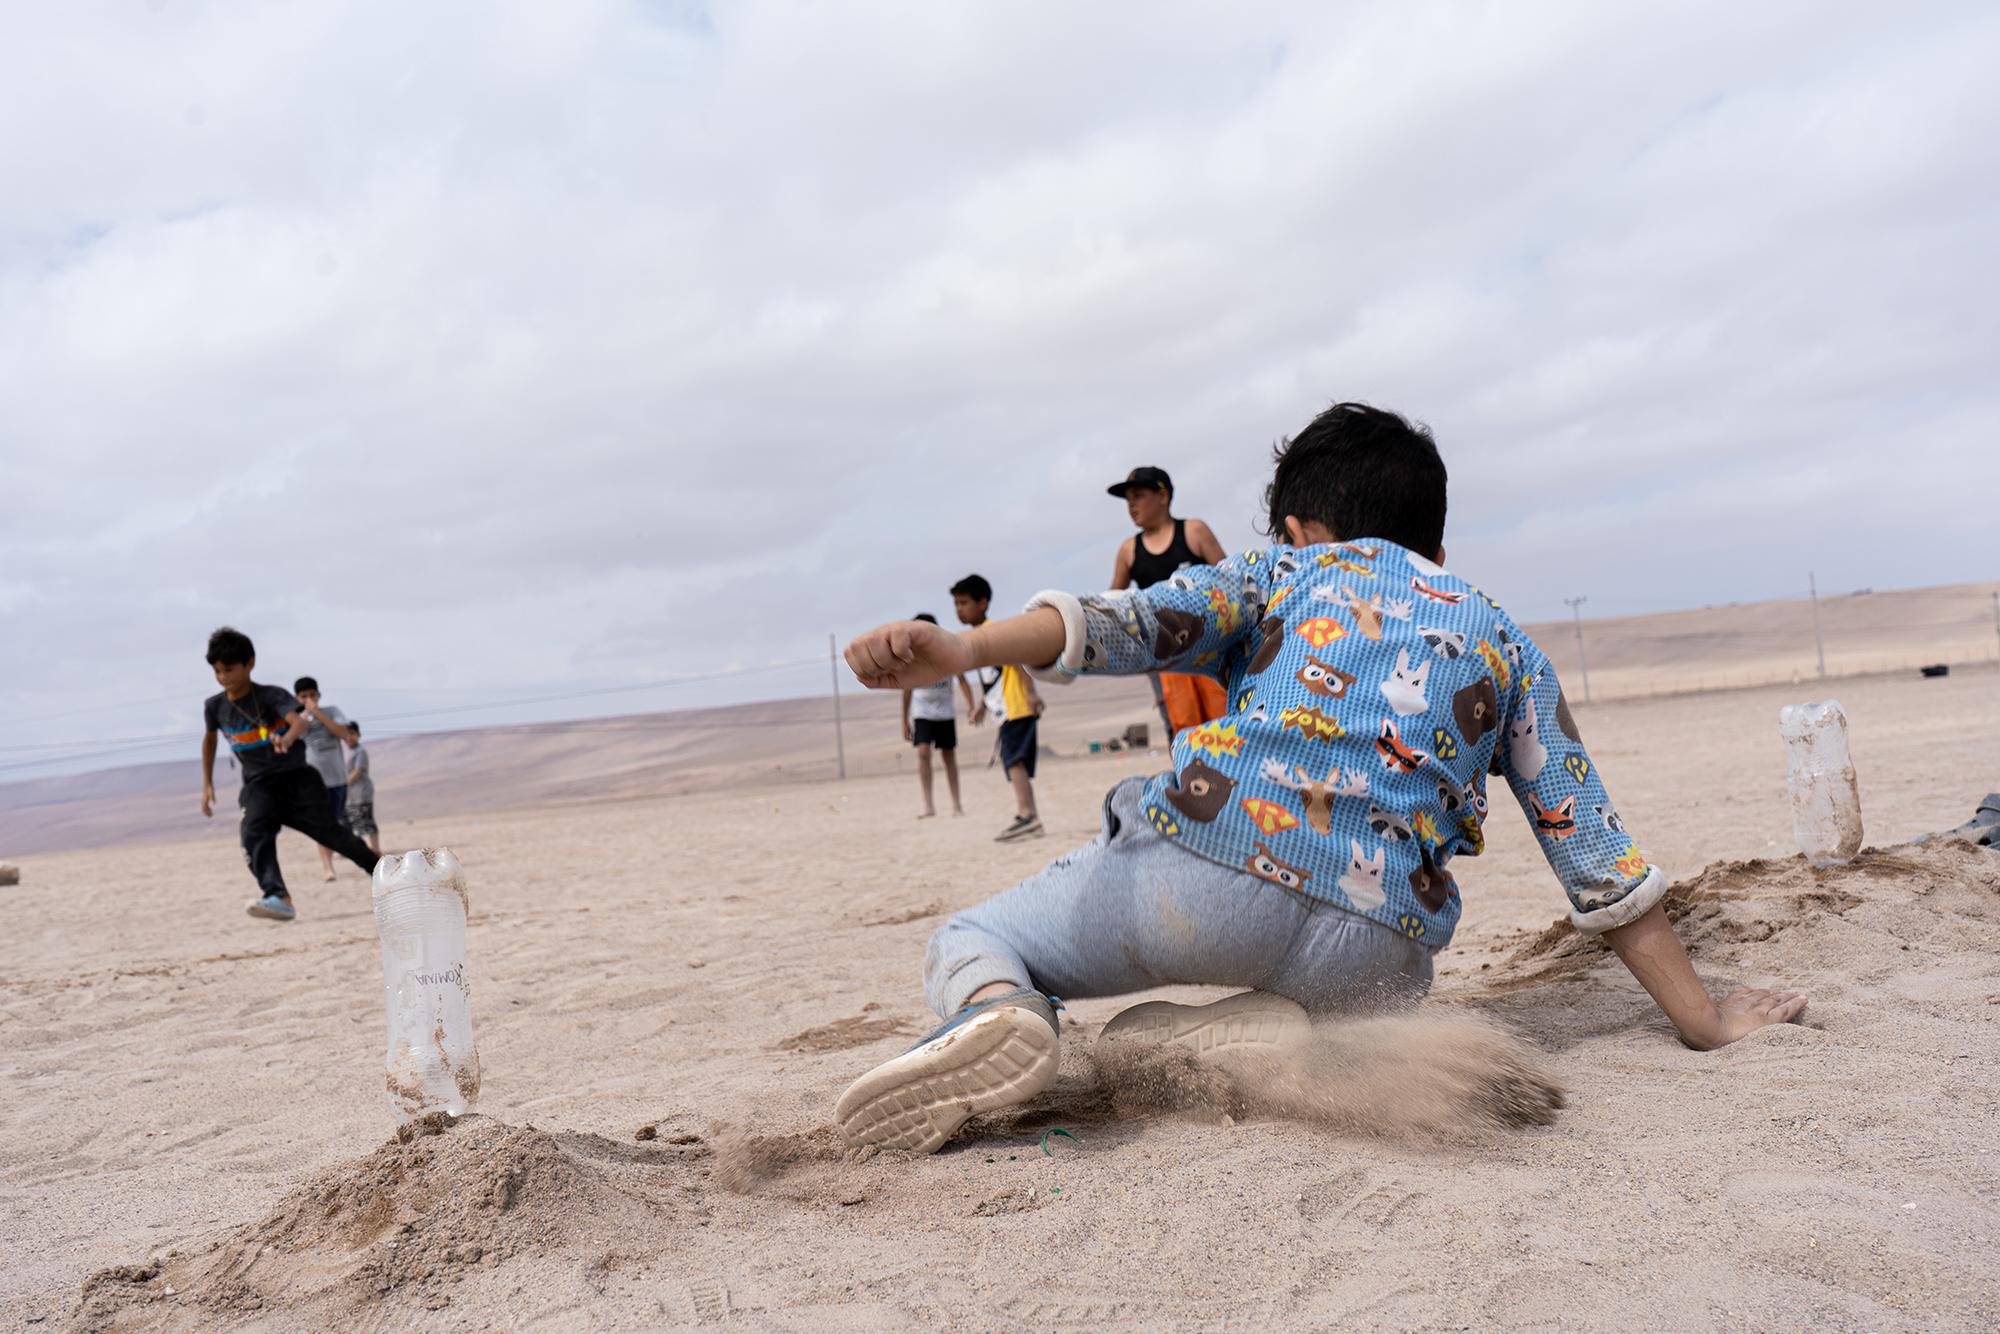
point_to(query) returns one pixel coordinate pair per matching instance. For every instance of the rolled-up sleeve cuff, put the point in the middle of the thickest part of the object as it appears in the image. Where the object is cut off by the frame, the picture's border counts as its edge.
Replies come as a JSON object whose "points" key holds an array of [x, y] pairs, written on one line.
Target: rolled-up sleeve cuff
{"points": [[1627, 910], [1066, 666]]}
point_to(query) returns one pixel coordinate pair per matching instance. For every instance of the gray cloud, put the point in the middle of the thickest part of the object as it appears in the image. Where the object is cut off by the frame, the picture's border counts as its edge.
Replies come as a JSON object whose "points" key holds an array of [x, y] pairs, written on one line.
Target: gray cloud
{"points": [[461, 349]]}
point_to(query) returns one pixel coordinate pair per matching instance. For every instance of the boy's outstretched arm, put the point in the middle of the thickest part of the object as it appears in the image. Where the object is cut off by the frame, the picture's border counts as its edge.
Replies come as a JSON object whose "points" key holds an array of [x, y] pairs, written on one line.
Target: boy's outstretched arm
{"points": [[1613, 890], [1649, 947], [907, 654]]}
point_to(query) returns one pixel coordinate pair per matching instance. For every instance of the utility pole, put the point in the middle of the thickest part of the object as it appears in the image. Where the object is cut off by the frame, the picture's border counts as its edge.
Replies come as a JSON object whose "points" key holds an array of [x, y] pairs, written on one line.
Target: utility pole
{"points": [[839, 738], [1576, 607], [1812, 584], [1996, 614]]}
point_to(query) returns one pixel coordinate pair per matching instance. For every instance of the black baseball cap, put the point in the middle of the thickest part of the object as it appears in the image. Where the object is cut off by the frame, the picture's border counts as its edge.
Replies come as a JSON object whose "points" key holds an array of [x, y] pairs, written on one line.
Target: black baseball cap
{"points": [[1150, 478]]}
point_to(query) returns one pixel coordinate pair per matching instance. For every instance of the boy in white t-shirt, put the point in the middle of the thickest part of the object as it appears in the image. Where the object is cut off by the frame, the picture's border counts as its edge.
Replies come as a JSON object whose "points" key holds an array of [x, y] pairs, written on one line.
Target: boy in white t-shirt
{"points": [[930, 723]]}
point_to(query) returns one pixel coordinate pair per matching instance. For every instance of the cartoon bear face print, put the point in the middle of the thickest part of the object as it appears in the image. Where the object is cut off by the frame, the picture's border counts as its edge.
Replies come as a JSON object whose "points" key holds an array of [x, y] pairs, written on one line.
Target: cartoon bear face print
{"points": [[1476, 709], [1431, 884], [1178, 632], [1270, 638], [1202, 792], [1324, 678], [1267, 867], [1564, 720]]}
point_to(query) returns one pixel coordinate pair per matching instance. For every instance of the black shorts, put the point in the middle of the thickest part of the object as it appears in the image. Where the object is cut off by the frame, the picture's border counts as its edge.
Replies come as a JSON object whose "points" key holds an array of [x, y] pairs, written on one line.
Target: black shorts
{"points": [[1017, 744], [939, 732]]}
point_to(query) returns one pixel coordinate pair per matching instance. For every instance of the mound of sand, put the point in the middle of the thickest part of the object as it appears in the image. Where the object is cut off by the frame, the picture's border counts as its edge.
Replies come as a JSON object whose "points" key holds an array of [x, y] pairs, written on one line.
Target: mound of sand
{"points": [[406, 1224]]}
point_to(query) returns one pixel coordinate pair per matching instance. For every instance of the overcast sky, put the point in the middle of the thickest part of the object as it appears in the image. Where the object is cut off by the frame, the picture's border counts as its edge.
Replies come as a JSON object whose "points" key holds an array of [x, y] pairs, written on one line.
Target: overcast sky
{"points": [[460, 352]]}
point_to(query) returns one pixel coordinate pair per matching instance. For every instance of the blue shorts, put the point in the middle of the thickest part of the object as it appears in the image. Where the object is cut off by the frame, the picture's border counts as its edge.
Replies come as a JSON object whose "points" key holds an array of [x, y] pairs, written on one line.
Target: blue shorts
{"points": [[338, 803], [1017, 744]]}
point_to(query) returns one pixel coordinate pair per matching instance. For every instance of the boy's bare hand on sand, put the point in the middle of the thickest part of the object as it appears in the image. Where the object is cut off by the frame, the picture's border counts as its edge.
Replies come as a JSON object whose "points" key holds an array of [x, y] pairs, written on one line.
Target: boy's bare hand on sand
{"points": [[907, 654], [1744, 1011]]}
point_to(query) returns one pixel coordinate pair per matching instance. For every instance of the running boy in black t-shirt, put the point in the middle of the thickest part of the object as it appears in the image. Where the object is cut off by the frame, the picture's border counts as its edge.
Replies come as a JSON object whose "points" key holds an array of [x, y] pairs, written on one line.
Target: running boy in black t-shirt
{"points": [[264, 727]]}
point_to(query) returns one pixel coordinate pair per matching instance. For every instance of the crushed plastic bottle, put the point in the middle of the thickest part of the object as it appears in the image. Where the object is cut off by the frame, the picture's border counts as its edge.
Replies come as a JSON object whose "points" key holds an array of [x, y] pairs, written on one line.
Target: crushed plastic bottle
{"points": [[431, 1065], [1826, 806]]}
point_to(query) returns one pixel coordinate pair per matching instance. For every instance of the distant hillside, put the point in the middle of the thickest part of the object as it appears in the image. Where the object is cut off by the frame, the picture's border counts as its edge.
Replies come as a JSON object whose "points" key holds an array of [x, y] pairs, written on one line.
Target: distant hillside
{"points": [[1762, 643], [789, 741]]}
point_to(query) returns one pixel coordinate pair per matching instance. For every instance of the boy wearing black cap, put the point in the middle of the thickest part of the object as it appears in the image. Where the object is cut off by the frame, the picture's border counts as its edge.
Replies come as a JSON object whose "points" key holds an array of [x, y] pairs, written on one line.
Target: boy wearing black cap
{"points": [[1162, 548]]}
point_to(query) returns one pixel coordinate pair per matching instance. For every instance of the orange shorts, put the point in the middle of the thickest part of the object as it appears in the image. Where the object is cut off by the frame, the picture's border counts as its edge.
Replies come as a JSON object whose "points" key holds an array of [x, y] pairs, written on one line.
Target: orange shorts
{"points": [[1192, 700]]}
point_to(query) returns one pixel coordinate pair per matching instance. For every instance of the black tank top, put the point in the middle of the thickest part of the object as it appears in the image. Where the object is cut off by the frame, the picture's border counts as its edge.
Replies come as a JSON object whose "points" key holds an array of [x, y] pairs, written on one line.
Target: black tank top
{"points": [[1148, 569]]}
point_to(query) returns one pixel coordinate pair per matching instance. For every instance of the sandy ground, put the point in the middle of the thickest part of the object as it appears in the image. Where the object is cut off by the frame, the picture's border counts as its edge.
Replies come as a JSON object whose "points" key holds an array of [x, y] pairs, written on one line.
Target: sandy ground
{"points": [[670, 993]]}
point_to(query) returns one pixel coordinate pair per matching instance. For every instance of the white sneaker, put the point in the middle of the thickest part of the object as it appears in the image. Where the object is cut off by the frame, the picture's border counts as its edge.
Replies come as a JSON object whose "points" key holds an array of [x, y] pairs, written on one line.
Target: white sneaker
{"points": [[995, 1054], [1251, 1021]]}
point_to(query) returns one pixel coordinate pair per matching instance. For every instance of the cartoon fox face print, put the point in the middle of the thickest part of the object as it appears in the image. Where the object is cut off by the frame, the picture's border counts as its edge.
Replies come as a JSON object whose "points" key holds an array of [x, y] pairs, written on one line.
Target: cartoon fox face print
{"points": [[1563, 719], [1432, 884], [1395, 755], [1445, 596], [1178, 632], [1362, 881], [1405, 687], [1202, 792], [1556, 822], [1388, 824], [1324, 678], [1266, 867], [1447, 644], [1476, 710], [1524, 747], [1270, 638]]}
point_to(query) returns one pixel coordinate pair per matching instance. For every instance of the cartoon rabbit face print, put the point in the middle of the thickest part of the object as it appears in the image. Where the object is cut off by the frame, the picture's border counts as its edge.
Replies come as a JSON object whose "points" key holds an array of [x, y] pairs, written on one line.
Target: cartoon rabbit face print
{"points": [[1524, 745], [1405, 687], [1362, 881]]}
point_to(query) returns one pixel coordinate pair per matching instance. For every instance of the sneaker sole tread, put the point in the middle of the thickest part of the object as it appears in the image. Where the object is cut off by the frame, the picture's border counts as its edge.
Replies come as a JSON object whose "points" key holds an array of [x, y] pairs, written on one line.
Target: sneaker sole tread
{"points": [[919, 1100]]}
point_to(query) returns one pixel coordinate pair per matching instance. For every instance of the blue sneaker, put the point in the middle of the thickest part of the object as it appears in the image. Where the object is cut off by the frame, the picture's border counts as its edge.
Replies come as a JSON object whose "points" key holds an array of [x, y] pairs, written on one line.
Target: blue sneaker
{"points": [[998, 1053], [273, 907]]}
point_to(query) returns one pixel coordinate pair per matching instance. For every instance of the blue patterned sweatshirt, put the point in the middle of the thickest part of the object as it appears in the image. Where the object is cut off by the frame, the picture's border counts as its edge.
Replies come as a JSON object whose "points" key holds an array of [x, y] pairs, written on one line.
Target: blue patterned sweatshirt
{"points": [[1371, 694]]}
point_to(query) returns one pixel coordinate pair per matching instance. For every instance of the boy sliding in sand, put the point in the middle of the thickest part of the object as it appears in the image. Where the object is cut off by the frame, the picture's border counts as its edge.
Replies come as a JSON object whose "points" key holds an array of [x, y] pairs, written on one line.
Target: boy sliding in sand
{"points": [[1303, 845], [264, 725], [930, 722]]}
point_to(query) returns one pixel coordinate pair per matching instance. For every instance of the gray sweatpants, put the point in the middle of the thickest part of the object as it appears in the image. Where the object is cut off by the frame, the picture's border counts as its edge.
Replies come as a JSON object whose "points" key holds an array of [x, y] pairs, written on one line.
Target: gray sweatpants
{"points": [[1130, 910]]}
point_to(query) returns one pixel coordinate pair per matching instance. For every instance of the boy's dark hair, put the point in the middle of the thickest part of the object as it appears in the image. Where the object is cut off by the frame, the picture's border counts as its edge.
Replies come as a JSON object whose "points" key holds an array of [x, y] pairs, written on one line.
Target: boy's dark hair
{"points": [[1362, 472], [229, 646], [924, 616], [974, 587], [355, 728], [303, 684]]}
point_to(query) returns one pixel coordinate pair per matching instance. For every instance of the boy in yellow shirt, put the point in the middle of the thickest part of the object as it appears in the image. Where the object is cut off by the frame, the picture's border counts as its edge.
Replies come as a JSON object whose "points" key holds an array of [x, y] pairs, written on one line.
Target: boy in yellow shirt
{"points": [[1010, 693]]}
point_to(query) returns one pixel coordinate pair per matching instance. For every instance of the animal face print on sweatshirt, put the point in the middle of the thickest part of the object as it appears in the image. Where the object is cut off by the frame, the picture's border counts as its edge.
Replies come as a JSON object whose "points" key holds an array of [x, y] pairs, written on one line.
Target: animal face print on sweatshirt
{"points": [[1203, 791], [1405, 687], [1267, 867], [1362, 881], [1524, 747], [1476, 709], [1178, 632], [1324, 678]]}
